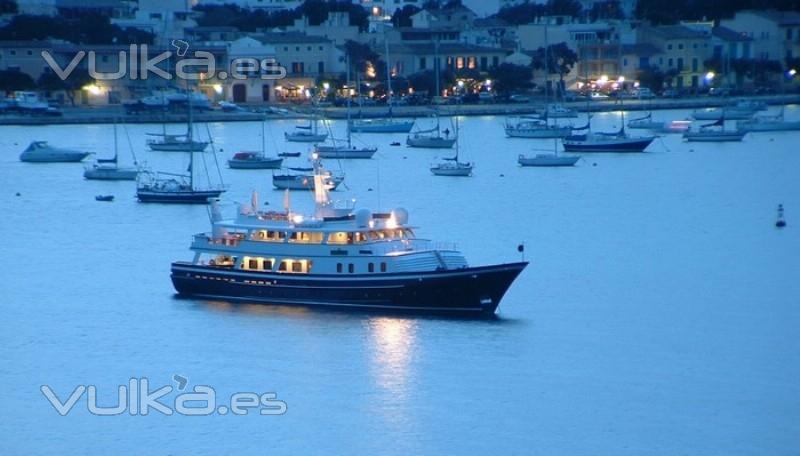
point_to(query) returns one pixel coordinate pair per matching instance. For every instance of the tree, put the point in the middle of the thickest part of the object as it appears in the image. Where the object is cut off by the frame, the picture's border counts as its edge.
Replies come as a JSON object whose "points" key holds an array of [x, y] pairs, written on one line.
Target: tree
{"points": [[8, 7], [508, 77], [362, 58], [11, 80], [651, 78], [402, 16], [76, 81], [607, 9], [571, 8], [560, 60]]}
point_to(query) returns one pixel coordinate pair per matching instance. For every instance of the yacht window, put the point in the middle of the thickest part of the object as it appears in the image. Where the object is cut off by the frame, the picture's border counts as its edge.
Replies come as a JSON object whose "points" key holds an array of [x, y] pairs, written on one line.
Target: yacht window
{"points": [[339, 267], [362, 237], [383, 267], [306, 237], [350, 268], [338, 238], [269, 236], [371, 267], [268, 265], [252, 264], [297, 266], [409, 233], [373, 235], [282, 267]]}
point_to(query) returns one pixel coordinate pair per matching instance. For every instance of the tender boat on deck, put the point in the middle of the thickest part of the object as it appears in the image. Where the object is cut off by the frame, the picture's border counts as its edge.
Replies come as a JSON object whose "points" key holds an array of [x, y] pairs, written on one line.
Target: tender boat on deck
{"points": [[338, 257]]}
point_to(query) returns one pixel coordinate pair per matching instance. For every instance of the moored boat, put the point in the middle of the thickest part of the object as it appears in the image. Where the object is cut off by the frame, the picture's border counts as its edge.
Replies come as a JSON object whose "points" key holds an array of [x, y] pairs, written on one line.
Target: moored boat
{"points": [[337, 257], [42, 152]]}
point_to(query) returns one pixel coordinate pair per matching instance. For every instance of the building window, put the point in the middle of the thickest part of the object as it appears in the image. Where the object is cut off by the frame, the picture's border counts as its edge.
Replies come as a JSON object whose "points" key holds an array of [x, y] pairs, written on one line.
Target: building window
{"points": [[339, 267], [371, 267], [625, 62], [669, 63], [495, 61], [320, 67], [669, 47], [472, 63], [383, 267], [695, 64], [459, 62], [320, 48], [286, 48], [351, 268], [422, 63], [484, 63], [308, 48], [13, 52], [680, 46]]}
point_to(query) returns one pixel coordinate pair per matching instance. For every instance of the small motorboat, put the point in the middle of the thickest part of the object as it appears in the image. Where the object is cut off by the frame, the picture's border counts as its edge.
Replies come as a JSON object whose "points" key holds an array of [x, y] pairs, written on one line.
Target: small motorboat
{"points": [[289, 154], [41, 152], [104, 198], [254, 160], [547, 160], [395, 143]]}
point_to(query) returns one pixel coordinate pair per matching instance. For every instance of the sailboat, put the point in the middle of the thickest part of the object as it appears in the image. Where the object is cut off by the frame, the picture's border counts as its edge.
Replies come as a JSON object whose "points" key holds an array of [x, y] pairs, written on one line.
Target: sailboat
{"points": [[769, 123], [160, 187], [303, 178], [540, 127], [307, 133], [451, 166], [619, 141], [255, 160], [548, 160], [714, 132], [348, 151], [432, 138], [390, 124], [165, 142], [109, 169]]}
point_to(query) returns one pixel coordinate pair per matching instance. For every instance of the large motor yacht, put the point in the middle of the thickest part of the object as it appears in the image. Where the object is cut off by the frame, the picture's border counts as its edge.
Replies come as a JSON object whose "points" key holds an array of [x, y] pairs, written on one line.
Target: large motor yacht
{"points": [[337, 257]]}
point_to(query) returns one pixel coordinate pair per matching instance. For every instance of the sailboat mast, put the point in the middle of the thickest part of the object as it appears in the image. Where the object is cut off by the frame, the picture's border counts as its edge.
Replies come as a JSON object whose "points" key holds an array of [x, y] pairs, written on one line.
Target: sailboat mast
{"points": [[388, 77], [348, 98], [189, 136], [263, 138], [115, 141]]}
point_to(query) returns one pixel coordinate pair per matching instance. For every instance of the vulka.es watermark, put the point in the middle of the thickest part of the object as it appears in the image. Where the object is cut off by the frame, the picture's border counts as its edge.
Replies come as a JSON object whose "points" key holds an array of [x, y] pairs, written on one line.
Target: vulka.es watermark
{"points": [[137, 64], [137, 398]]}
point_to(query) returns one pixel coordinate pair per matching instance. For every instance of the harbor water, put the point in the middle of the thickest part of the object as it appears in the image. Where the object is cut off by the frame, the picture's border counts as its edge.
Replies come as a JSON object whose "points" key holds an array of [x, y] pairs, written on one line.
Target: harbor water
{"points": [[659, 314]]}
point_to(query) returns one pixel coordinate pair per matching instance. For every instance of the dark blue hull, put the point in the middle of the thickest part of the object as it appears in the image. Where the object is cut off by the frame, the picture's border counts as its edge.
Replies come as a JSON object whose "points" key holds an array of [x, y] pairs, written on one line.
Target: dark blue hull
{"points": [[467, 290], [621, 146], [178, 197]]}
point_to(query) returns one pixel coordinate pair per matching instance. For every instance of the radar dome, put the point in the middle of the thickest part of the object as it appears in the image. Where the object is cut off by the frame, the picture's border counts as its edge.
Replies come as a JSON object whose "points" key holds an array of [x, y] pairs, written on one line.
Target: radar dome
{"points": [[363, 217], [400, 215]]}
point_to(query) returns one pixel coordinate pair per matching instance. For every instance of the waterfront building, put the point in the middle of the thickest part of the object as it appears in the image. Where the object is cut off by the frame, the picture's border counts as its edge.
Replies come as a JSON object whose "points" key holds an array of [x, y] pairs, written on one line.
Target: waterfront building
{"points": [[775, 35], [683, 52]]}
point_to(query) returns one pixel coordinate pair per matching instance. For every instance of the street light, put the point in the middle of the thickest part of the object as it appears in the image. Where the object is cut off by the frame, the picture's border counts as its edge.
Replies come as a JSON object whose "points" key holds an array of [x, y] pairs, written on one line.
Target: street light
{"points": [[792, 72], [710, 76]]}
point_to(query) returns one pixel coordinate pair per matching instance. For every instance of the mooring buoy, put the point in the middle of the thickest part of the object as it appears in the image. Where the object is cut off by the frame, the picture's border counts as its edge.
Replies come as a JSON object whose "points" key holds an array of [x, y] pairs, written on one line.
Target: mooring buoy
{"points": [[781, 222]]}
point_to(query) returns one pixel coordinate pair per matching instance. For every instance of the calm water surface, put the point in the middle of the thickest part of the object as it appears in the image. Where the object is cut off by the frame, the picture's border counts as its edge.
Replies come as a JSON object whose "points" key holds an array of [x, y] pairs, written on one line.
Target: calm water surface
{"points": [[659, 315]]}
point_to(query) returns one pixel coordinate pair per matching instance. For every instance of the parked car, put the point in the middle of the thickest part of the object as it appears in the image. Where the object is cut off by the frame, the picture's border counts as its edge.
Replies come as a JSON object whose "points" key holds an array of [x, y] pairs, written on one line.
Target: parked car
{"points": [[519, 98], [486, 97], [720, 92], [671, 93], [598, 96], [643, 93]]}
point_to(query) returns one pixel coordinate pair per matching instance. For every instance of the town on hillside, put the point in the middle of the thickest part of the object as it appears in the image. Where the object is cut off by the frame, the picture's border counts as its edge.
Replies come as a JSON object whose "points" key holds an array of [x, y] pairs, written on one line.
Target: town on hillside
{"points": [[250, 53]]}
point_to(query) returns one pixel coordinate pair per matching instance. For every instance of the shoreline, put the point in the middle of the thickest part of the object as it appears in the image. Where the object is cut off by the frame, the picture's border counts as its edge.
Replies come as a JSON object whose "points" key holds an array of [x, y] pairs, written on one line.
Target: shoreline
{"points": [[104, 115]]}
